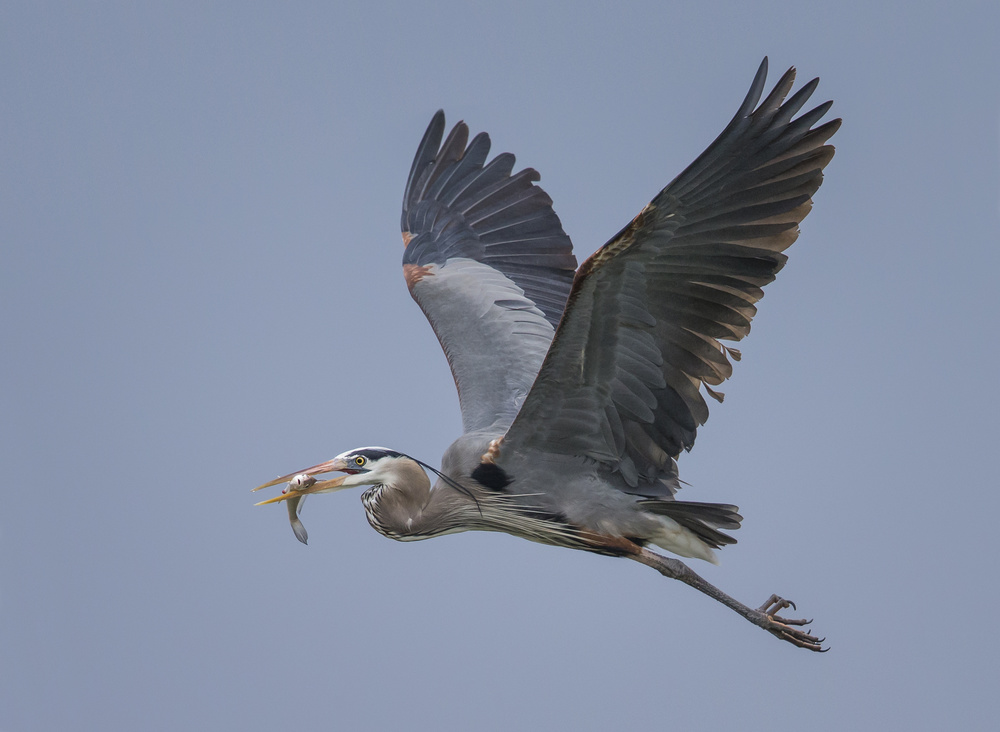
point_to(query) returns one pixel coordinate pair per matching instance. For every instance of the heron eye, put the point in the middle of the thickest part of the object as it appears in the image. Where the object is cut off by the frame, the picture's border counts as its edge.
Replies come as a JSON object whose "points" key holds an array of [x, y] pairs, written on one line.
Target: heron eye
{"points": [[359, 461]]}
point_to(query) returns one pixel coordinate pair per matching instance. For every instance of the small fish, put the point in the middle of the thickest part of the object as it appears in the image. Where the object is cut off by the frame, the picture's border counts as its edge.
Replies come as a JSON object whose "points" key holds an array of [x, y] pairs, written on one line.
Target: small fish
{"points": [[295, 505]]}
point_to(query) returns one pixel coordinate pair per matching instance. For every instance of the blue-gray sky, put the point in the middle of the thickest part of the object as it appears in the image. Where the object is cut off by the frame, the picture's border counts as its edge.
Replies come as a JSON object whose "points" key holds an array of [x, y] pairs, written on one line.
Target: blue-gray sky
{"points": [[200, 288]]}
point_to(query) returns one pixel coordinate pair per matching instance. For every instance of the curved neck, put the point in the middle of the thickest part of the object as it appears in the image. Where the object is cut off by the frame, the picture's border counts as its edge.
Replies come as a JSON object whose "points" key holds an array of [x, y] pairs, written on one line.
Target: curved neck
{"points": [[404, 507]]}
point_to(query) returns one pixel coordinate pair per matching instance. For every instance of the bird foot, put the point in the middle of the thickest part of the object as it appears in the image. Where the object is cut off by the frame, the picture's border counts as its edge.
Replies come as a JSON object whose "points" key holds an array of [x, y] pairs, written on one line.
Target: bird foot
{"points": [[782, 627]]}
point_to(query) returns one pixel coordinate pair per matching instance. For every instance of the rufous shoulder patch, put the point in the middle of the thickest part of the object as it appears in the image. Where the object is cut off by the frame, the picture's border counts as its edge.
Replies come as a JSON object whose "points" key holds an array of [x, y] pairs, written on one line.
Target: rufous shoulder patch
{"points": [[492, 452], [415, 272]]}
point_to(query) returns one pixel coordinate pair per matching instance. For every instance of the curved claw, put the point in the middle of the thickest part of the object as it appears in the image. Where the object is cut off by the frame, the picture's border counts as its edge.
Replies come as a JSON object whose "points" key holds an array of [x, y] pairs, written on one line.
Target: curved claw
{"points": [[781, 627], [802, 640], [775, 603]]}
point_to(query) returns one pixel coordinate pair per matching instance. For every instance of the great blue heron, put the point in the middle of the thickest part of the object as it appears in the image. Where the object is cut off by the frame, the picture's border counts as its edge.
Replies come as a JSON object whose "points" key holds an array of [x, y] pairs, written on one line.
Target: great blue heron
{"points": [[579, 388]]}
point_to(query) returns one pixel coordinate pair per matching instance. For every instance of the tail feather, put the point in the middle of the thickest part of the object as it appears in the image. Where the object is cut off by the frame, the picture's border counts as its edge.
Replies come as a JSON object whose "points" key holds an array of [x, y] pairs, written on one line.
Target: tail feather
{"points": [[703, 519]]}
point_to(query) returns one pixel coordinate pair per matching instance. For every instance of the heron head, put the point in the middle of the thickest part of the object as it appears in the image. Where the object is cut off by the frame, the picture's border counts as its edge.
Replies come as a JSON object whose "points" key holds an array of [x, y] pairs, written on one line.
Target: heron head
{"points": [[362, 466]]}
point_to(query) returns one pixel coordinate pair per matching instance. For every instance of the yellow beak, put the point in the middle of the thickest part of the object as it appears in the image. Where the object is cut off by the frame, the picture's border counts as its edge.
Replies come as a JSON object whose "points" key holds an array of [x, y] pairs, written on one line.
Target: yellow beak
{"points": [[292, 492], [328, 467], [307, 486]]}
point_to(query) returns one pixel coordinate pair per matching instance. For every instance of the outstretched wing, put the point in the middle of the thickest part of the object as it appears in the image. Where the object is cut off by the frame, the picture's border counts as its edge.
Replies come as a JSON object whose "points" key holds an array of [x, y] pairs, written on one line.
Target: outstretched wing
{"points": [[489, 264], [640, 336]]}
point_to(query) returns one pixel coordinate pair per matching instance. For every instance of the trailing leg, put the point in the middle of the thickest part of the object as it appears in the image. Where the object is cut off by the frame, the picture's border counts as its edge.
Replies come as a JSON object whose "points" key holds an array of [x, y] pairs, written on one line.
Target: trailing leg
{"points": [[765, 616]]}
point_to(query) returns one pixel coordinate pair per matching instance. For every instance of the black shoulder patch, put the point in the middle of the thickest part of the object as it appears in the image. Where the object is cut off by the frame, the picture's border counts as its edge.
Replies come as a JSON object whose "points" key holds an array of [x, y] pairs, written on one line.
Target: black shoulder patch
{"points": [[491, 476]]}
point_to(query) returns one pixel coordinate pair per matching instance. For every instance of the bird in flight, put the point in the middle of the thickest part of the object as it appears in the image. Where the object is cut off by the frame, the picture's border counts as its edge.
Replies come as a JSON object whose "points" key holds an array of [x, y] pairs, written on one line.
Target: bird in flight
{"points": [[580, 386]]}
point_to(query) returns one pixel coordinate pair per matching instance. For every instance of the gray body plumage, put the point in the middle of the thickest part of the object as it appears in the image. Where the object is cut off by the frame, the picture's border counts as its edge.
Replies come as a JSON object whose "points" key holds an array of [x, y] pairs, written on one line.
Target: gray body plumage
{"points": [[580, 386]]}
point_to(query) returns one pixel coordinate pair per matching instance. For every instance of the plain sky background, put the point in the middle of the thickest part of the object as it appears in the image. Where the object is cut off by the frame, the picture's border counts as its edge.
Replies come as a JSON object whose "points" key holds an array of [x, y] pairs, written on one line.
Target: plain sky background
{"points": [[200, 289]]}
